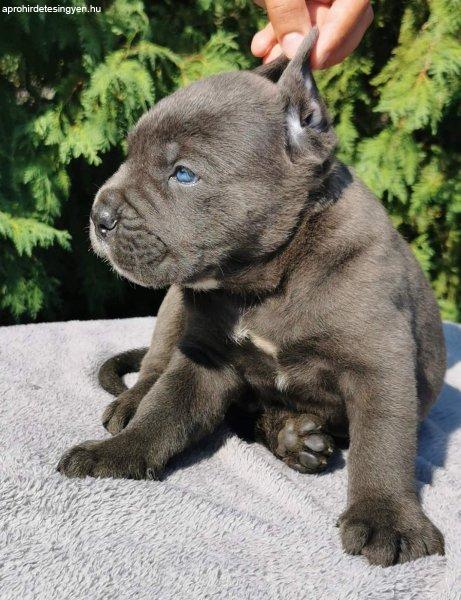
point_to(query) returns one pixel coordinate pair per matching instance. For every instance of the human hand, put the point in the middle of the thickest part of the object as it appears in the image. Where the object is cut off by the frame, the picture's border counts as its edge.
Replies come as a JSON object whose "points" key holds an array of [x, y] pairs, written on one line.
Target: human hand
{"points": [[341, 23]]}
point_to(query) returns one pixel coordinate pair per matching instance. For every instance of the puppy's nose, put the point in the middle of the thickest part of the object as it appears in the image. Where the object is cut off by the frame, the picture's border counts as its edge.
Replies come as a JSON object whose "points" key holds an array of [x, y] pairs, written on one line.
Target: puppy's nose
{"points": [[104, 220], [104, 213]]}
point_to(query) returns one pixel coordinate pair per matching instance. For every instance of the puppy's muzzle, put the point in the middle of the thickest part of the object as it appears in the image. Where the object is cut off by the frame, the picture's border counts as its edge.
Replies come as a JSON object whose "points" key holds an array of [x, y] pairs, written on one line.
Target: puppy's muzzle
{"points": [[105, 212]]}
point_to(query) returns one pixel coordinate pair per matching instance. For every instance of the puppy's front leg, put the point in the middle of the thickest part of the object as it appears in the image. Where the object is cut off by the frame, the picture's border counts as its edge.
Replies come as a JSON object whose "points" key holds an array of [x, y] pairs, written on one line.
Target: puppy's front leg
{"points": [[384, 520], [187, 402]]}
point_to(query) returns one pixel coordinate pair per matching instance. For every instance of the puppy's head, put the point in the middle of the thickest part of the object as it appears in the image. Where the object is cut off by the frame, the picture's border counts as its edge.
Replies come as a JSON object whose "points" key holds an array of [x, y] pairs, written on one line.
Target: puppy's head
{"points": [[216, 177]]}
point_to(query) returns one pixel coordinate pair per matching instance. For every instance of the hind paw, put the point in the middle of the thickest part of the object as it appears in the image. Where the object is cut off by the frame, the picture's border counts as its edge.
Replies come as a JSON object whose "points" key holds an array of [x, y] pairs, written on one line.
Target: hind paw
{"points": [[303, 446]]}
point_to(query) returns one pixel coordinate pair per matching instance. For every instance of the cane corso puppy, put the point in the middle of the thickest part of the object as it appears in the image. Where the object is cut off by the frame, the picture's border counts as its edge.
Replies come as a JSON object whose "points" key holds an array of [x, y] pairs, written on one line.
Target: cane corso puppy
{"points": [[291, 294]]}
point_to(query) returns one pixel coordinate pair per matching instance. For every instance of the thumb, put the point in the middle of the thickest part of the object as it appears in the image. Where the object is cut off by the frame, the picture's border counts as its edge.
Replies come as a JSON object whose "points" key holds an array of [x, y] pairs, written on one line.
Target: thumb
{"points": [[291, 22]]}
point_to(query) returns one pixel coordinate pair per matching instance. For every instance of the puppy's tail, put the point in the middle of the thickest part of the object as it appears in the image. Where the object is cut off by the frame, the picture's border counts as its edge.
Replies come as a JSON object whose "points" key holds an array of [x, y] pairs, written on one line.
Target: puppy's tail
{"points": [[112, 371]]}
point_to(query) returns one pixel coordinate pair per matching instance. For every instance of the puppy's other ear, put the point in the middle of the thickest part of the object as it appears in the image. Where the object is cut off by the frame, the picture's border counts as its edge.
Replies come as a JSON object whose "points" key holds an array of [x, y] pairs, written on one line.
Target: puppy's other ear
{"points": [[304, 108], [274, 69]]}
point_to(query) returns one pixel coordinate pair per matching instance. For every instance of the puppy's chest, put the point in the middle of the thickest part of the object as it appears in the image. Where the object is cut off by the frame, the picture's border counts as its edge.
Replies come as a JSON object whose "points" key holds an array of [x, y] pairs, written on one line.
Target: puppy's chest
{"points": [[257, 355], [271, 349], [272, 361]]}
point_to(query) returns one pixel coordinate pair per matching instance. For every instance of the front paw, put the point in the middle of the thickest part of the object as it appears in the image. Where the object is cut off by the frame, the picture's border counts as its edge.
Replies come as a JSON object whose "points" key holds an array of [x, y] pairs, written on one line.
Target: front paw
{"points": [[119, 413], [118, 457], [388, 532]]}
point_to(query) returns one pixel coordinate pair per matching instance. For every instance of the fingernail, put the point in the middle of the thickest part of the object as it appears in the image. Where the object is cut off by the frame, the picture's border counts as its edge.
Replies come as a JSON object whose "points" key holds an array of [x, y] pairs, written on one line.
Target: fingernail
{"points": [[291, 42]]}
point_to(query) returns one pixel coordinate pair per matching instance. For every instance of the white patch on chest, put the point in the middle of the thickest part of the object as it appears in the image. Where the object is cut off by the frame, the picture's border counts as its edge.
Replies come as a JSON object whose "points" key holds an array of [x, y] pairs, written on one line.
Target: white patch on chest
{"points": [[204, 284], [242, 333], [281, 382], [263, 344]]}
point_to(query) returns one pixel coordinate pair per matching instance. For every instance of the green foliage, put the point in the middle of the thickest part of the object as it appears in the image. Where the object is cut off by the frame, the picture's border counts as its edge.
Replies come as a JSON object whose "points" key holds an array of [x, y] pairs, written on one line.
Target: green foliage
{"points": [[398, 121], [71, 87]]}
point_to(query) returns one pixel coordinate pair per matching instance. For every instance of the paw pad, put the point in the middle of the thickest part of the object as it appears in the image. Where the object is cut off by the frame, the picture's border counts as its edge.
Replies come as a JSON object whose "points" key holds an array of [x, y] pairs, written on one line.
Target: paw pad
{"points": [[303, 445]]}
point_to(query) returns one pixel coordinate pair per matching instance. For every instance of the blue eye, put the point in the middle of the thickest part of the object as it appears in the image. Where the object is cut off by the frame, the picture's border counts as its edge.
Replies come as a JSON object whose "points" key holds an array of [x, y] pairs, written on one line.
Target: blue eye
{"points": [[185, 175]]}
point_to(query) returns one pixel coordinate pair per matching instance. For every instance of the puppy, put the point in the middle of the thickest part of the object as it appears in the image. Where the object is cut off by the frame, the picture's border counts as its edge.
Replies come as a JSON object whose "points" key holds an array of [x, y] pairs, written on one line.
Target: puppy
{"points": [[290, 292]]}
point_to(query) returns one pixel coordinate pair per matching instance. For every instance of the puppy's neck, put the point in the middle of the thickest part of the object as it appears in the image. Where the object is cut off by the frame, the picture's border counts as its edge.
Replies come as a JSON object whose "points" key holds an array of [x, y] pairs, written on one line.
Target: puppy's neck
{"points": [[270, 273]]}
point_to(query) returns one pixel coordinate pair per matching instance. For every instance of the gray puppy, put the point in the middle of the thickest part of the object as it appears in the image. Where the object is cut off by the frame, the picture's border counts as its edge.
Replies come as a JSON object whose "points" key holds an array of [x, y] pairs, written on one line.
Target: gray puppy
{"points": [[291, 294]]}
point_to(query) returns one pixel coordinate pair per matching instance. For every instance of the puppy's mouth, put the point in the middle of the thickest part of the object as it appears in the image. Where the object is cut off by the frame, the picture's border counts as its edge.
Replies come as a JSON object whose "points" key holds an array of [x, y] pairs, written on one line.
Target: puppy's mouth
{"points": [[136, 255], [99, 245]]}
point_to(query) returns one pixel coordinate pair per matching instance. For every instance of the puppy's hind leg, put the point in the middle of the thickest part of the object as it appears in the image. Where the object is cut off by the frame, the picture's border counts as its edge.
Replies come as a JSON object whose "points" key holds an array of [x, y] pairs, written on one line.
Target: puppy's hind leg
{"points": [[299, 439], [168, 329]]}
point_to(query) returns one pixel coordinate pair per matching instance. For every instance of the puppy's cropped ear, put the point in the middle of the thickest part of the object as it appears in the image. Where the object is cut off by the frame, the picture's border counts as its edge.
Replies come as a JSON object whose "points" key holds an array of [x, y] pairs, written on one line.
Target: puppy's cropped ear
{"points": [[274, 69], [304, 107]]}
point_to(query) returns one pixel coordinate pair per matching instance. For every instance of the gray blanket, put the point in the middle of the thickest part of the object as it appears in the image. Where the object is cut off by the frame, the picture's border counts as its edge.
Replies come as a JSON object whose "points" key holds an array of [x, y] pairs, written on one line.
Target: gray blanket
{"points": [[229, 521]]}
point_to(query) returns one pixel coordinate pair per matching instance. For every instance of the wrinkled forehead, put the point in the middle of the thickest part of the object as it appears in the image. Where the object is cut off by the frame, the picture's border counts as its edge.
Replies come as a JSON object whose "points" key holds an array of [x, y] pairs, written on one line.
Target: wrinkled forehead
{"points": [[233, 109]]}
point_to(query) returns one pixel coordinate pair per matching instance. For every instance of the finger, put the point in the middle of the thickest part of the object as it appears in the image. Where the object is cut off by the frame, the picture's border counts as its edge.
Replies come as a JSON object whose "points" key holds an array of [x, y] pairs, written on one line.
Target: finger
{"points": [[291, 22], [353, 40], [343, 50], [275, 52], [341, 32], [263, 41], [318, 11]]}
